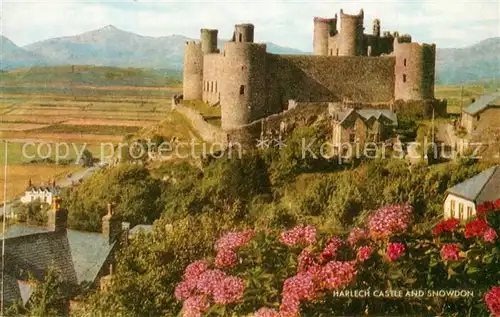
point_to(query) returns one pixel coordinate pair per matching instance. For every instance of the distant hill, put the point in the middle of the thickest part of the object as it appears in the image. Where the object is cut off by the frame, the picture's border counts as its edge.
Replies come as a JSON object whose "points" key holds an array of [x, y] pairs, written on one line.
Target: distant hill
{"points": [[470, 64], [90, 75], [110, 46], [13, 56]]}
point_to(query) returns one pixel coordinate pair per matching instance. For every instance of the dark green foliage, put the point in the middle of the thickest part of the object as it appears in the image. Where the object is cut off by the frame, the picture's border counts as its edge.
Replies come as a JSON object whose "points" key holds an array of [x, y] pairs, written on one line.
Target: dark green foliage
{"points": [[138, 197], [34, 213]]}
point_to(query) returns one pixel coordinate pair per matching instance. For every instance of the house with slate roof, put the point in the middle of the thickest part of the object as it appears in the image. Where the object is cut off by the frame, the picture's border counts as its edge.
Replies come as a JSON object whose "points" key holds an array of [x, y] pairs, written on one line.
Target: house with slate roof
{"points": [[351, 125], [44, 193], [462, 199], [78, 256], [483, 114]]}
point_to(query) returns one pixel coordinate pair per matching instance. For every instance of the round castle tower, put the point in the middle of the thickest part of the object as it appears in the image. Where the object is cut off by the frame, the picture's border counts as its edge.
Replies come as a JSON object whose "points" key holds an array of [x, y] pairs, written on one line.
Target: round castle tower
{"points": [[192, 85], [414, 70], [351, 34], [243, 84], [323, 29], [243, 33], [209, 41]]}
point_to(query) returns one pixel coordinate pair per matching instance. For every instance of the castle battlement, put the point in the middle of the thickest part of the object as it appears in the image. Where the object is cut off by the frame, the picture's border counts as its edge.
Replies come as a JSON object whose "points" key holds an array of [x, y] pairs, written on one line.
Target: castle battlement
{"points": [[249, 83]]}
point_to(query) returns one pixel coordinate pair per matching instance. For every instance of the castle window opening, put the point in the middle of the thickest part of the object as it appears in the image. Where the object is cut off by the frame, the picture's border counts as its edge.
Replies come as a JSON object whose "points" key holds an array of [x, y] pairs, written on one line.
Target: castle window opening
{"points": [[242, 89], [331, 51], [212, 86], [337, 52], [404, 78], [240, 37], [404, 62], [215, 86]]}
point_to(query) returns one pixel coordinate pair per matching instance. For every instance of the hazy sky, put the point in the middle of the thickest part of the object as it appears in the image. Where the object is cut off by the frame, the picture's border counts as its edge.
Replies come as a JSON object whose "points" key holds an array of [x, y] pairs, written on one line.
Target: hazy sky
{"points": [[447, 23]]}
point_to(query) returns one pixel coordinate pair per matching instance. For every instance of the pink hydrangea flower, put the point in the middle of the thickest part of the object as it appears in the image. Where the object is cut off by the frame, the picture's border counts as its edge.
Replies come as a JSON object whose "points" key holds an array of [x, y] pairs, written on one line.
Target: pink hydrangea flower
{"points": [[306, 260], [194, 306], [226, 258], [195, 269], [355, 235], [331, 249], [364, 253], [492, 299], [209, 281], [266, 312], [389, 220], [299, 235], [450, 251], [185, 289], [489, 235], [303, 286], [234, 240], [337, 274], [290, 306], [229, 290], [395, 250]]}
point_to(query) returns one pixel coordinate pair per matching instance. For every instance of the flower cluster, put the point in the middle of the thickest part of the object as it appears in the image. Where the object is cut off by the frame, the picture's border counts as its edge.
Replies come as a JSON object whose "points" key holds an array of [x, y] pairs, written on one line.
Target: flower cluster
{"points": [[389, 220], [266, 312], [299, 235], [308, 285], [395, 250], [450, 251], [487, 206], [201, 284], [364, 253], [227, 246], [226, 258], [331, 249], [445, 225], [305, 261], [356, 235], [234, 240], [490, 235], [492, 299], [475, 228]]}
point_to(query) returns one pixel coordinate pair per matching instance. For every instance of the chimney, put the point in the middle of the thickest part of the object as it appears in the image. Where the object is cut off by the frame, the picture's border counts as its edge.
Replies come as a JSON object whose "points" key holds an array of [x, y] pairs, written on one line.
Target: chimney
{"points": [[58, 217], [111, 225]]}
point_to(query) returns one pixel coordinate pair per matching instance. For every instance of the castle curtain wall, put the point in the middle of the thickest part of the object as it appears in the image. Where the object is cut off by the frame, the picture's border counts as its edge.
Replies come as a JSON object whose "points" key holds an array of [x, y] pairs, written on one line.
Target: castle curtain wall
{"points": [[212, 71], [327, 79]]}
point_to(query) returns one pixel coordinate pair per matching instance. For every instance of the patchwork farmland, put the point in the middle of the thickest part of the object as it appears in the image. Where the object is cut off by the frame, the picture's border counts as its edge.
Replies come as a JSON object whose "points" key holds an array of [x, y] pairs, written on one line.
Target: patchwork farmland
{"points": [[80, 115]]}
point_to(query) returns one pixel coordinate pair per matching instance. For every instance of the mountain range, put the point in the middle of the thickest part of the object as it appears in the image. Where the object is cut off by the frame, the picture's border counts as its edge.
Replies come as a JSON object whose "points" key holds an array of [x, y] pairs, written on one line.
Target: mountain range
{"points": [[110, 46]]}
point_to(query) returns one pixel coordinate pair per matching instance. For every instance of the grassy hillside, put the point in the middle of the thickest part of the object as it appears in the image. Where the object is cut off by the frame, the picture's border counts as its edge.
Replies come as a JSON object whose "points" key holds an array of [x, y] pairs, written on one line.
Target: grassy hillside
{"points": [[90, 75], [458, 97]]}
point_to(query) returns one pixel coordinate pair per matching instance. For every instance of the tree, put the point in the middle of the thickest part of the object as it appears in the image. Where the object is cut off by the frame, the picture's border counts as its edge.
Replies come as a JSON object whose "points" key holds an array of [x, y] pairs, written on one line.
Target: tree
{"points": [[138, 197], [87, 159]]}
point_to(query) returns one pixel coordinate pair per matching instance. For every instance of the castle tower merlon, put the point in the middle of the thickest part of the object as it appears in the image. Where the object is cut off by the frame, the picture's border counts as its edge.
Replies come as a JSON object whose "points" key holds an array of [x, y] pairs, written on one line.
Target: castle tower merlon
{"points": [[209, 40], [244, 33], [376, 28]]}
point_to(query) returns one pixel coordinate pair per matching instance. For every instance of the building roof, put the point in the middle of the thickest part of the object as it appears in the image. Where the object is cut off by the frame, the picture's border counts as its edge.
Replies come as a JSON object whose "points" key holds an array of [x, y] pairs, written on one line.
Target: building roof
{"points": [[78, 256], [483, 102], [366, 114], [485, 186]]}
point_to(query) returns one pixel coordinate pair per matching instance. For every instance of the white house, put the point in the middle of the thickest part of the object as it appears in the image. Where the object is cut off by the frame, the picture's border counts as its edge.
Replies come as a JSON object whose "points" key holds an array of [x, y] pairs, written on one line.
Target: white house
{"points": [[44, 193], [462, 199]]}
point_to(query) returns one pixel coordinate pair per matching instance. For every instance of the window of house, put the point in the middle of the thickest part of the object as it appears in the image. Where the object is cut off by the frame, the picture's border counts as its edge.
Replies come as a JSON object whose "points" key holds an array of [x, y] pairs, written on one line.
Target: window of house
{"points": [[461, 211], [452, 209], [404, 78], [469, 212], [404, 62], [352, 137], [242, 89]]}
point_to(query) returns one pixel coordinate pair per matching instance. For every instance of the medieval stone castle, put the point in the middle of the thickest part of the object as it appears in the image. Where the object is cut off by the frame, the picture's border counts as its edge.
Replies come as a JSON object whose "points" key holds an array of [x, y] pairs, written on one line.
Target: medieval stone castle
{"points": [[370, 70]]}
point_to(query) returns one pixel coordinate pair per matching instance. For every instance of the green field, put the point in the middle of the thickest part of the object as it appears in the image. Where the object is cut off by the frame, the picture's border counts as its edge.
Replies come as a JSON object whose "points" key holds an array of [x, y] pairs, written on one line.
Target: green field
{"points": [[461, 96]]}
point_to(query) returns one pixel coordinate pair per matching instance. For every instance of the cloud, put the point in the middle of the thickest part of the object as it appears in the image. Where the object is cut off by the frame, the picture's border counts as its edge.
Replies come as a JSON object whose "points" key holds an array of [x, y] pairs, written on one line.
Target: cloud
{"points": [[288, 23]]}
